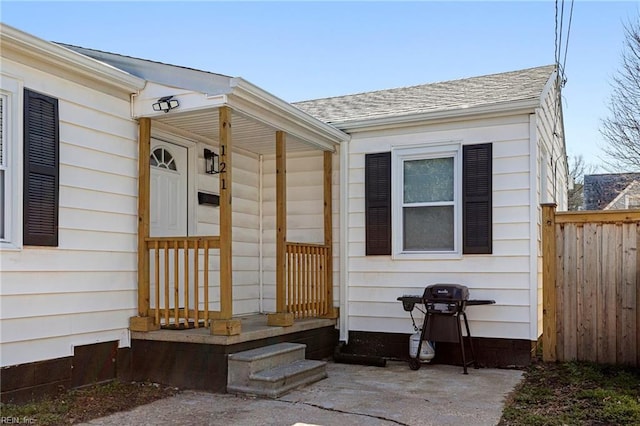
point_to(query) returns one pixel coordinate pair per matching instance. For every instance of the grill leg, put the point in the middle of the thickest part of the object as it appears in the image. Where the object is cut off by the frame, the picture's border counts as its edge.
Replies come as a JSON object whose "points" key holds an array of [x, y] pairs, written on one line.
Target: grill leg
{"points": [[461, 342], [466, 325]]}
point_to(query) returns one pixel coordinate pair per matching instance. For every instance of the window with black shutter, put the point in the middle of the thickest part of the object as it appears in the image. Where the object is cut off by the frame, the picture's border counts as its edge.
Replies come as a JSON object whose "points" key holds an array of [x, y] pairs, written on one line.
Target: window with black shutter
{"points": [[427, 207], [377, 184], [41, 169]]}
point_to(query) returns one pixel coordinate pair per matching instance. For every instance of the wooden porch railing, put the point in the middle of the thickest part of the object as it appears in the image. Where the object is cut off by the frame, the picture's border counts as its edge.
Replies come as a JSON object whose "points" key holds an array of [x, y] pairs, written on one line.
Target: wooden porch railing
{"points": [[309, 284], [175, 280]]}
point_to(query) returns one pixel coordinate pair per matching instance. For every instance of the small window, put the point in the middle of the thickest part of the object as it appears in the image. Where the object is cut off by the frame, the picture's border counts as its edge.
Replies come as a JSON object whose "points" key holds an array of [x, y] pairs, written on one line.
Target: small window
{"points": [[3, 132], [427, 201], [428, 205], [11, 137], [432, 201], [3, 166], [162, 159]]}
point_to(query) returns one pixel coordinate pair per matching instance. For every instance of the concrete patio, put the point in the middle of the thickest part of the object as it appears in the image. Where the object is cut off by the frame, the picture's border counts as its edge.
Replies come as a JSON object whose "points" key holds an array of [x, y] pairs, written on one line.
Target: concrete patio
{"points": [[351, 395]]}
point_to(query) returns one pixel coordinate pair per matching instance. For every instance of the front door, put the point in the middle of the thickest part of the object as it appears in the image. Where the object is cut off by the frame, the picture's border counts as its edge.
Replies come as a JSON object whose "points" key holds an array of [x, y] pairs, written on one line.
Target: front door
{"points": [[168, 209]]}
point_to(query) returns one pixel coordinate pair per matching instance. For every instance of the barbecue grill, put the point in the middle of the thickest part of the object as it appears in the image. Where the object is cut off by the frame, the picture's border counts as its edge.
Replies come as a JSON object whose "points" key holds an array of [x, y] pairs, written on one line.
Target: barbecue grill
{"points": [[444, 307]]}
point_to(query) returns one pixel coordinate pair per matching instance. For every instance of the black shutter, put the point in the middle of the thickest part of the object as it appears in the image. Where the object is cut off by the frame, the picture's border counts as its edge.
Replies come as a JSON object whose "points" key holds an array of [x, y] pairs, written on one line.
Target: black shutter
{"points": [[41, 169], [476, 199], [377, 189]]}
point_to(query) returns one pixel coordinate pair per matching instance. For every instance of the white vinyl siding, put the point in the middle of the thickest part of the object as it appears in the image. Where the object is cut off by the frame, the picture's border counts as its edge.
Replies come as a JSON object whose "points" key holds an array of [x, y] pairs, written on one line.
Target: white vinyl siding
{"points": [[376, 281], [552, 180], [305, 212], [245, 228], [246, 234], [84, 290]]}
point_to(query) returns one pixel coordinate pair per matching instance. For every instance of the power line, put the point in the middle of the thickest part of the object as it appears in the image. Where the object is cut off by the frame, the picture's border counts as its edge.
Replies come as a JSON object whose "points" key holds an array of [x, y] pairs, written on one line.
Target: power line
{"points": [[566, 47]]}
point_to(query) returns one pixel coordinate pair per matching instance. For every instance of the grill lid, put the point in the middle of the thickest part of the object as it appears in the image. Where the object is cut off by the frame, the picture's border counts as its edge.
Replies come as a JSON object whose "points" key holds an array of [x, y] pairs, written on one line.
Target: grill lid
{"points": [[446, 292]]}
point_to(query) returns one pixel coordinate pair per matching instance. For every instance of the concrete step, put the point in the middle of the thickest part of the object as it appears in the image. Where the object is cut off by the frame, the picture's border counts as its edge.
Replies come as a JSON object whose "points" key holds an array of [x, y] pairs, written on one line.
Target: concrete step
{"points": [[275, 382], [272, 370]]}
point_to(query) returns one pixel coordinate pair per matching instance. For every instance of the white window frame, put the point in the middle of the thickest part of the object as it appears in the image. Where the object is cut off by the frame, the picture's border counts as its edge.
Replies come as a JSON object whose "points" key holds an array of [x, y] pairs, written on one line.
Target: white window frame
{"points": [[11, 89], [398, 156]]}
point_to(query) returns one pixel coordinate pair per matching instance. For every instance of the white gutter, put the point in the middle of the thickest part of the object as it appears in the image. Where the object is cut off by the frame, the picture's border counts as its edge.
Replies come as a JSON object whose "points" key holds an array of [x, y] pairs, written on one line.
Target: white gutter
{"points": [[344, 241], [260, 230], [58, 56], [367, 124]]}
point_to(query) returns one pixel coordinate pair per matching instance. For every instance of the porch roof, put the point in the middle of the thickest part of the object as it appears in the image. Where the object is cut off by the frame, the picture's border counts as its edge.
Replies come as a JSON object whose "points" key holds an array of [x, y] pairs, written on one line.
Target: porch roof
{"points": [[257, 114], [58, 60]]}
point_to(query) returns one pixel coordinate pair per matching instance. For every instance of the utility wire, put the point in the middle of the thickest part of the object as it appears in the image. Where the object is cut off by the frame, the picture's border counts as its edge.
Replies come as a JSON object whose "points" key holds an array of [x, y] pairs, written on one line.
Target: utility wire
{"points": [[561, 74], [566, 46]]}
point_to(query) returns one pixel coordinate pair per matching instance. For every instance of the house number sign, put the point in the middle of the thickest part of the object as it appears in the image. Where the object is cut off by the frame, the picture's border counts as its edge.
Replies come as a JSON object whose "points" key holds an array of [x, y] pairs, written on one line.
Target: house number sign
{"points": [[223, 167]]}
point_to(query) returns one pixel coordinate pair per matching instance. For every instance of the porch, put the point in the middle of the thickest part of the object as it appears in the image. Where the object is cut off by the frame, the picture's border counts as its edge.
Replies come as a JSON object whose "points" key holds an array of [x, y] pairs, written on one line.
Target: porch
{"points": [[186, 280], [254, 327], [196, 359]]}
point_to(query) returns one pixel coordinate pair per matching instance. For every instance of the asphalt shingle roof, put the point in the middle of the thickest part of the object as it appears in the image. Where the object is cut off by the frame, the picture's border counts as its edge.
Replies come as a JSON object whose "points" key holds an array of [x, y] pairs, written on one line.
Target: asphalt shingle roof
{"points": [[512, 86], [600, 190]]}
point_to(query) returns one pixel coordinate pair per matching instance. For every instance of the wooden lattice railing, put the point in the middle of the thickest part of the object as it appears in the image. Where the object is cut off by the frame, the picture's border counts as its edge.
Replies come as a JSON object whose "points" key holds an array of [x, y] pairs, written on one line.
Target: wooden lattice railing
{"points": [[308, 280], [180, 271]]}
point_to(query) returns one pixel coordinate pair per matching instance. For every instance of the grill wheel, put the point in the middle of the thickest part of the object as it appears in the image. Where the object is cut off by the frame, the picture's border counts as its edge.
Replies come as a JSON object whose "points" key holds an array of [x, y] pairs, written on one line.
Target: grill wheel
{"points": [[414, 363]]}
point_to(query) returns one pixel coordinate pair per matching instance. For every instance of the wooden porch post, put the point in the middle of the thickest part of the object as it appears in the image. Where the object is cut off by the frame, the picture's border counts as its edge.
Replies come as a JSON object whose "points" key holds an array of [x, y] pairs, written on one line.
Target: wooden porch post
{"points": [[281, 317], [143, 322], [225, 325], [328, 231], [549, 335]]}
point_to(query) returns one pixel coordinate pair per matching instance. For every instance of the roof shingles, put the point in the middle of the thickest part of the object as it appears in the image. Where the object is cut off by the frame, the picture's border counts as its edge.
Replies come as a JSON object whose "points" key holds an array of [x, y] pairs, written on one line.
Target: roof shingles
{"points": [[512, 86]]}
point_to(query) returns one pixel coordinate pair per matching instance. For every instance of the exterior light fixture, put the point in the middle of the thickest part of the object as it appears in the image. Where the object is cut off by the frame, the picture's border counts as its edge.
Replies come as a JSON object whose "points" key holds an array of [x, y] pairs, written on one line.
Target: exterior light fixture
{"points": [[211, 162], [166, 104]]}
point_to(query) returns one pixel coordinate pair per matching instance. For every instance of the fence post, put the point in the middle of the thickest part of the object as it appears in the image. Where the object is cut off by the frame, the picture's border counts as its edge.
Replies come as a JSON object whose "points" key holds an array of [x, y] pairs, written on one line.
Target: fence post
{"points": [[549, 334]]}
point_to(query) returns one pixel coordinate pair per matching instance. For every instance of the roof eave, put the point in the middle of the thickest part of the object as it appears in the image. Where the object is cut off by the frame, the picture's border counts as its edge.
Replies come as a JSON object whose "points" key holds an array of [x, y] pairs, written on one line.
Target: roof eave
{"points": [[52, 54], [263, 106], [499, 109]]}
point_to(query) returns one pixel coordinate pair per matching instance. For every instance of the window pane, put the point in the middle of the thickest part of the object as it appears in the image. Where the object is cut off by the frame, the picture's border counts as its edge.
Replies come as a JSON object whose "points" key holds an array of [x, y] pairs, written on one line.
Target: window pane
{"points": [[2, 136], [428, 228], [163, 159], [428, 180], [2, 150], [2, 205]]}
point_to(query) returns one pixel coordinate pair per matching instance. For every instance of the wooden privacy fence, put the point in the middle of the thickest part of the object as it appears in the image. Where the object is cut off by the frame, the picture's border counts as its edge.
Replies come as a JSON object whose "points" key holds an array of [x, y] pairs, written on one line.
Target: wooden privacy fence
{"points": [[308, 285], [179, 280], [591, 286]]}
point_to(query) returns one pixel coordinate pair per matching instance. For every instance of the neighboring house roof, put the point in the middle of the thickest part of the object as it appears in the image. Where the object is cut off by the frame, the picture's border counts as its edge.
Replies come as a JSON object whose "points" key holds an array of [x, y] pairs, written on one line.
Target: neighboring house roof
{"points": [[629, 198], [495, 89], [601, 190]]}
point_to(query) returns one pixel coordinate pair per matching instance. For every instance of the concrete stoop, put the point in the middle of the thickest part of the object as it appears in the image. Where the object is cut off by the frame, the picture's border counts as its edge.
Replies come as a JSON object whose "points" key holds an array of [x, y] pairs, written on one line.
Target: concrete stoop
{"points": [[272, 371]]}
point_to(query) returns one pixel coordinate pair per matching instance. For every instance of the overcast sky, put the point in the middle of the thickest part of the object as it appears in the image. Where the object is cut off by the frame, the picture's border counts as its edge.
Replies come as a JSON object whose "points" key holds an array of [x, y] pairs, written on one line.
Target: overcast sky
{"points": [[307, 50]]}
